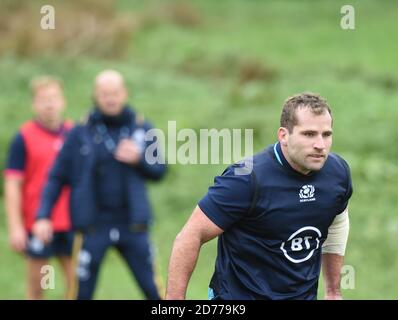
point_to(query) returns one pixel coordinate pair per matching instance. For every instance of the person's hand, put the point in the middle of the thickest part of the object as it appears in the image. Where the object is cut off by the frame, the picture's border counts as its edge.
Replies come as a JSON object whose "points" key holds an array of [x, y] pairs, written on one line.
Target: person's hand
{"points": [[43, 230], [18, 238], [128, 152]]}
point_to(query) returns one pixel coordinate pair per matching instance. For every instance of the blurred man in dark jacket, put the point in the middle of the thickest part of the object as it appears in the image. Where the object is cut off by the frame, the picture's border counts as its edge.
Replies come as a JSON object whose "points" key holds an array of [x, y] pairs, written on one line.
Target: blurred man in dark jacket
{"points": [[103, 162]]}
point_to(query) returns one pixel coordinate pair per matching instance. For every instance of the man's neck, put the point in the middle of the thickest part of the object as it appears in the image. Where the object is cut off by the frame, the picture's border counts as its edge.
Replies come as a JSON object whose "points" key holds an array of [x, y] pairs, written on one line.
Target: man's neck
{"points": [[293, 164], [52, 125]]}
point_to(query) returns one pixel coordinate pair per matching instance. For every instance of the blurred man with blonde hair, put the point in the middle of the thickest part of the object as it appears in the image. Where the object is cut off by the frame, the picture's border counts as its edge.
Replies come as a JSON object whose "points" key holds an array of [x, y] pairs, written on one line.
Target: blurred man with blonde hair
{"points": [[31, 155]]}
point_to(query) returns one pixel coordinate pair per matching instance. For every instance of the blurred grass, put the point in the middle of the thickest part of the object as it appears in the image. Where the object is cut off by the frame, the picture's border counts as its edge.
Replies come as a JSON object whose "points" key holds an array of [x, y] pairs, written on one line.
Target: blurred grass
{"points": [[231, 64]]}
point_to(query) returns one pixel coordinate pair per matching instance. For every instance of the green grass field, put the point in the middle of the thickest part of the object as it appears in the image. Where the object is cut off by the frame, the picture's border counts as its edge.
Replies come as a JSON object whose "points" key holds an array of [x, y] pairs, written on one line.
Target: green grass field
{"points": [[233, 67]]}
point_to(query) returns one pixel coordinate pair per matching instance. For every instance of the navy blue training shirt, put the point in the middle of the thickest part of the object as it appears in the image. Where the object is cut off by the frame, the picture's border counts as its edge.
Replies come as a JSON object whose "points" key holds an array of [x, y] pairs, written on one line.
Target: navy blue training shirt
{"points": [[110, 175], [275, 221]]}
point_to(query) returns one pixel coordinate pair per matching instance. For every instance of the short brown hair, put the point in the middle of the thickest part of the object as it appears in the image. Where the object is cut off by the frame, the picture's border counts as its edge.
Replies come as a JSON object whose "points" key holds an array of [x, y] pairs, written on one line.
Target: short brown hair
{"points": [[314, 101], [44, 81]]}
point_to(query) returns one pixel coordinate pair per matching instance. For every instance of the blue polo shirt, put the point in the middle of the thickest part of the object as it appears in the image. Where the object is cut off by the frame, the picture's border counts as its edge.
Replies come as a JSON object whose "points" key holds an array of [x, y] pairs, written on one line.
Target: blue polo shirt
{"points": [[275, 221]]}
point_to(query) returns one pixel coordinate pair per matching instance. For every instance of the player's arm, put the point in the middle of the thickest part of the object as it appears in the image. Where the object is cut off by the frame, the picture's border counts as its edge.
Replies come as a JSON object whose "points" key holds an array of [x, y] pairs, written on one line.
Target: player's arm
{"points": [[333, 251], [198, 230], [13, 183], [226, 203], [13, 204]]}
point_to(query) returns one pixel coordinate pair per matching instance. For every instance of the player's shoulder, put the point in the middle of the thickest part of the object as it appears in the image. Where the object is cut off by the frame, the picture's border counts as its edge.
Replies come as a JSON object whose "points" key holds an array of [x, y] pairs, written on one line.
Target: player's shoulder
{"points": [[337, 166], [252, 165], [265, 156], [17, 143], [264, 161], [337, 161], [76, 129], [76, 132], [27, 127]]}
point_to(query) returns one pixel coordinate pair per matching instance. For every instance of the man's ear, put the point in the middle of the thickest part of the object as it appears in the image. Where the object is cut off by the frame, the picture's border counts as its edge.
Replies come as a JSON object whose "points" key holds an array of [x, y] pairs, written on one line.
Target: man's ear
{"points": [[283, 136]]}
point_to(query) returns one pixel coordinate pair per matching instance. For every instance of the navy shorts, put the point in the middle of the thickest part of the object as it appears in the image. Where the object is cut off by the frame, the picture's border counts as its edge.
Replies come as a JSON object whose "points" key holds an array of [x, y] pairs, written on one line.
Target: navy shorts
{"points": [[60, 245]]}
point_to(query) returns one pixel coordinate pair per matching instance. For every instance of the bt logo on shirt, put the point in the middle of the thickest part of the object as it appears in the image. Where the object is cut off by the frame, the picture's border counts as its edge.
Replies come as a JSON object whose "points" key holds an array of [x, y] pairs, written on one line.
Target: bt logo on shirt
{"points": [[301, 244]]}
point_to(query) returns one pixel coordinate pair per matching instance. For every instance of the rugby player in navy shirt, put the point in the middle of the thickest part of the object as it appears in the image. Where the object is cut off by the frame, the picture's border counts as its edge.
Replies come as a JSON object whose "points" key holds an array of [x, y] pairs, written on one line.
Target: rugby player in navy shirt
{"points": [[278, 218]]}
